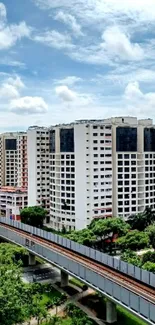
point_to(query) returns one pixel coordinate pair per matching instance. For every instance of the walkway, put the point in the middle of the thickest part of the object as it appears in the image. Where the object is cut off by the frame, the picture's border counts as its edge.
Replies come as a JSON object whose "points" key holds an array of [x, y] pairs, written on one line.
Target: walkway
{"points": [[74, 299]]}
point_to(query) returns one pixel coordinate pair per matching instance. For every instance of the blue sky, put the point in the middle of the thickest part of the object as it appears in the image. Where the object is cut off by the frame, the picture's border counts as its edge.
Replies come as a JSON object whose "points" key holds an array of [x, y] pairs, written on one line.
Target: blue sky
{"points": [[62, 60]]}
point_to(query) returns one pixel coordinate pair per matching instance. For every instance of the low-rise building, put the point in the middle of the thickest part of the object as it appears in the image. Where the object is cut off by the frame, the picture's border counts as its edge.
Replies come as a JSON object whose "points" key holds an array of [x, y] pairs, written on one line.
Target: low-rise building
{"points": [[12, 200]]}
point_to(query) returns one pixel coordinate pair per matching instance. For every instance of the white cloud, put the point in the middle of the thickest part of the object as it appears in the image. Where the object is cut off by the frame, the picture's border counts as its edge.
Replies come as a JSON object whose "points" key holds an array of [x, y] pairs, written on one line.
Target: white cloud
{"points": [[139, 102], [132, 91], [101, 13], [55, 39], [66, 94], [70, 21], [117, 43], [8, 91], [11, 34], [10, 87], [16, 82], [2, 14], [28, 105], [69, 81]]}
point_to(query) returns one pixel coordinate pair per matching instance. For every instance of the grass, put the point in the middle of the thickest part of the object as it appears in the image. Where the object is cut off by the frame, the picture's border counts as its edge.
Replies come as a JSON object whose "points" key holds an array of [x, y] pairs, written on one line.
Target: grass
{"points": [[64, 321], [98, 303], [125, 317], [48, 297], [76, 282]]}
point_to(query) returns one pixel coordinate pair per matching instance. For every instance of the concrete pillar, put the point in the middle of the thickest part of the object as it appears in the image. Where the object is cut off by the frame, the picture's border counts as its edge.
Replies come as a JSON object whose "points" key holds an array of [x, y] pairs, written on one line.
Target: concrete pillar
{"points": [[32, 259], [64, 279], [111, 312]]}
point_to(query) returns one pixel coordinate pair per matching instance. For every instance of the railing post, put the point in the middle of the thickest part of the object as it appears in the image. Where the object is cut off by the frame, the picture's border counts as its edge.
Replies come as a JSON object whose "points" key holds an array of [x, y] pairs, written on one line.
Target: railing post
{"points": [[111, 312], [64, 279]]}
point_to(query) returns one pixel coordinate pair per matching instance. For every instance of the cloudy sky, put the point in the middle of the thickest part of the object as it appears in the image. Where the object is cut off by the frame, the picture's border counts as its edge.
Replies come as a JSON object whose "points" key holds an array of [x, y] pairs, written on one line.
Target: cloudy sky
{"points": [[62, 60]]}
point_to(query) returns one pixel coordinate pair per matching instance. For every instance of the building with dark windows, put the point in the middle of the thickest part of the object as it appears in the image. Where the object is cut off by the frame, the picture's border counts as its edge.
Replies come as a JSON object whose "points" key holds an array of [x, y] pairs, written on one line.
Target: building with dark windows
{"points": [[99, 169], [91, 169], [13, 159]]}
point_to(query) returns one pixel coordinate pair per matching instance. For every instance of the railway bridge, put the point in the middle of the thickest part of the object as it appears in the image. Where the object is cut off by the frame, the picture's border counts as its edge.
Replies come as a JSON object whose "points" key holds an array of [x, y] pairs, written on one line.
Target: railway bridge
{"points": [[121, 283]]}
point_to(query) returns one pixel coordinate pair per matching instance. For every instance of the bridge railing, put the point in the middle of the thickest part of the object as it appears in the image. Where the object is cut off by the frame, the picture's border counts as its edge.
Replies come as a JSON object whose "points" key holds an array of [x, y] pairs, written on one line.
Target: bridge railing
{"points": [[126, 268], [134, 302]]}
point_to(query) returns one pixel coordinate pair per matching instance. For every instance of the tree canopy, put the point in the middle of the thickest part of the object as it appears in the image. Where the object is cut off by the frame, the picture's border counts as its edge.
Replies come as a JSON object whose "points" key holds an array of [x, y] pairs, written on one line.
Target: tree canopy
{"points": [[151, 233], [134, 240], [142, 220], [33, 216]]}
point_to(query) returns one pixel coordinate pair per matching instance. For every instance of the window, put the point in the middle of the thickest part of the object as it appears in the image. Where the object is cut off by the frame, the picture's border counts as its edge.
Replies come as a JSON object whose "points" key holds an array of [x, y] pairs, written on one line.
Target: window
{"points": [[95, 134], [120, 170], [126, 163], [126, 169], [95, 141]]}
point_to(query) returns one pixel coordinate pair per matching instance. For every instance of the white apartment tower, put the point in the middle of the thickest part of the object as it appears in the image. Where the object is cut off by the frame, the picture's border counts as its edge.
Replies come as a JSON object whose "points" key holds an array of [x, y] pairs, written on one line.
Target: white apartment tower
{"points": [[13, 159], [99, 169], [38, 166]]}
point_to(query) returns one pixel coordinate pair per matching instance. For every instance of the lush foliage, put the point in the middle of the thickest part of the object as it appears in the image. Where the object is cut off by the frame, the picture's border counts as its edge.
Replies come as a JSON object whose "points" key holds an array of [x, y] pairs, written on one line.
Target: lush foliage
{"points": [[33, 216], [141, 221], [10, 253], [149, 266], [78, 317], [151, 233], [18, 301], [85, 237], [131, 257], [133, 240]]}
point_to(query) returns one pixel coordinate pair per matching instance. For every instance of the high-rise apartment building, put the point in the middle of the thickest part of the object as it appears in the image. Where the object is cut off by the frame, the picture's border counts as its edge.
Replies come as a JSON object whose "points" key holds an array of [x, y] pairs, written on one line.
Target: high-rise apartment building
{"points": [[38, 166], [13, 159], [100, 168]]}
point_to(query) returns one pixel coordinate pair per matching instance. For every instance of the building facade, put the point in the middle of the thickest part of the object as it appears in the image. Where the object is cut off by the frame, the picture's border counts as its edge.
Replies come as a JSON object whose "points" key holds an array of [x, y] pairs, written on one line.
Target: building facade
{"points": [[13, 159], [99, 169], [12, 200], [80, 173], [38, 167]]}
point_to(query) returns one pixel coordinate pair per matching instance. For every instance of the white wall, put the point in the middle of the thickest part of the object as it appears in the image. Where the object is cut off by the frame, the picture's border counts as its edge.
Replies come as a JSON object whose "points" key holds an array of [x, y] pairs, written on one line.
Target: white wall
{"points": [[32, 167], [80, 177]]}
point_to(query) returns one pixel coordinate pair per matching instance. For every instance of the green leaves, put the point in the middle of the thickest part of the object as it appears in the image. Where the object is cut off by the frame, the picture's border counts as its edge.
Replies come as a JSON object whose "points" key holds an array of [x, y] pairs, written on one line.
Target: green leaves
{"points": [[33, 216], [141, 221], [151, 234], [133, 240]]}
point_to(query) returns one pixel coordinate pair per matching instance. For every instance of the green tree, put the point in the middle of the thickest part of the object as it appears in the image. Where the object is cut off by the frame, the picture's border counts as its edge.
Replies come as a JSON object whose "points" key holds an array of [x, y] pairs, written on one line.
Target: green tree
{"points": [[151, 233], [134, 240], [149, 266], [85, 237], [148, 257], [10, 253], [15, 299], [131, 257], [142, 220], [78, 317], [33, 216], [55, 320], [107, 229]]}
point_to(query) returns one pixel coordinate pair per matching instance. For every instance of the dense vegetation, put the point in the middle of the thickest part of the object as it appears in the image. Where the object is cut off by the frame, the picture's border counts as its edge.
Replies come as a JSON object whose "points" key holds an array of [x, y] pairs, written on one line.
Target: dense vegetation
{"points": [[33, 216], [18, 301]]}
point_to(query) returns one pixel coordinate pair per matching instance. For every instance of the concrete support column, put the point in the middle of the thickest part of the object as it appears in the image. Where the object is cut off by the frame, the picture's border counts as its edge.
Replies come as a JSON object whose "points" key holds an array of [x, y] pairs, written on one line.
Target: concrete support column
{"points": [[64, 279], [111, 312], [32, 259]]}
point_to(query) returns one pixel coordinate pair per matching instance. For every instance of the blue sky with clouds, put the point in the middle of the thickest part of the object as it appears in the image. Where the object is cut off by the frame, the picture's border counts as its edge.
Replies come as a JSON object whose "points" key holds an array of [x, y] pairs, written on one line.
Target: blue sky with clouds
{"points": [[62, 60]]}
